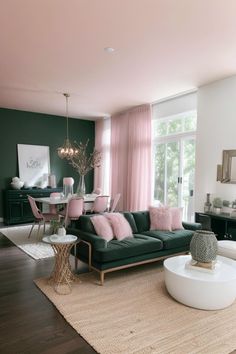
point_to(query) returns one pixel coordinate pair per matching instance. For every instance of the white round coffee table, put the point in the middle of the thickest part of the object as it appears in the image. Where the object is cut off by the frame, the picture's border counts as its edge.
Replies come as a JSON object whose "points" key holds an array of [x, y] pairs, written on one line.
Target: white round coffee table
{"points": [[198, 288]]}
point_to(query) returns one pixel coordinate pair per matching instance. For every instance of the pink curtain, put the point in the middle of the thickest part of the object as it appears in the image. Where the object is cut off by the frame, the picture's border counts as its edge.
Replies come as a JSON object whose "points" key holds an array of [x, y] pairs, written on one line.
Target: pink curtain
{"points": [[131, 158], [98, 172], [102, 144]]}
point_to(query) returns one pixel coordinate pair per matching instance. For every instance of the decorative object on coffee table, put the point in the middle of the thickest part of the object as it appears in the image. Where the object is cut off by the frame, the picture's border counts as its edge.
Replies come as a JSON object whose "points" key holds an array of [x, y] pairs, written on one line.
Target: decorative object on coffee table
{"points": [[203, 248]]}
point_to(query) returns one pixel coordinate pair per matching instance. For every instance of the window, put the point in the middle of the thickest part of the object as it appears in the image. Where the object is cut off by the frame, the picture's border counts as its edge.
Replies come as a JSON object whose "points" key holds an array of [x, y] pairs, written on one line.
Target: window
{"points": [[174, 160]]}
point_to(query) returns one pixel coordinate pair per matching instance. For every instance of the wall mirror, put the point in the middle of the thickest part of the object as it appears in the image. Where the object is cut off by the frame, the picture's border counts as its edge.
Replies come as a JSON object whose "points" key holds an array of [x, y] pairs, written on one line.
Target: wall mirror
{"points": [[228, 169]]}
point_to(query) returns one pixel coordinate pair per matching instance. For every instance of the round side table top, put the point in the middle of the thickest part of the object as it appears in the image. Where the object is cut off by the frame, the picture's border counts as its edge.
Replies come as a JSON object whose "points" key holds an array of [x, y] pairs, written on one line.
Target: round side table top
{"points": [[55, 239]]}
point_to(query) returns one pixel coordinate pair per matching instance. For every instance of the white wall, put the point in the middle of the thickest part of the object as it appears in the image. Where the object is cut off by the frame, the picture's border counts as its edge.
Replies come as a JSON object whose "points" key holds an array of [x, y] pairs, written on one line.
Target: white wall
{"points": [[216, 131]]}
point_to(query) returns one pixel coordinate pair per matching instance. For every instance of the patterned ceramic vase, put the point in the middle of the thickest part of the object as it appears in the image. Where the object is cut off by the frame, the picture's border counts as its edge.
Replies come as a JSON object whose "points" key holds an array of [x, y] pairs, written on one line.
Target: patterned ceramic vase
{"points": [[203, 246]]}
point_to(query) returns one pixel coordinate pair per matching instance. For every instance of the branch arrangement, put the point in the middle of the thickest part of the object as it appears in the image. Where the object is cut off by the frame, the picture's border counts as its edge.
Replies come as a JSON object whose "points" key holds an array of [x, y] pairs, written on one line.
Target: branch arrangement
{"points": [[84, 162]]}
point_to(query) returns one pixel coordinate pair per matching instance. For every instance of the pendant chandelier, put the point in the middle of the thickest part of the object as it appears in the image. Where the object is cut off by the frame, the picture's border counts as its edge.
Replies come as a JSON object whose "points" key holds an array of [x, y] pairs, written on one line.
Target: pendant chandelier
{"points": [[66, 151]]}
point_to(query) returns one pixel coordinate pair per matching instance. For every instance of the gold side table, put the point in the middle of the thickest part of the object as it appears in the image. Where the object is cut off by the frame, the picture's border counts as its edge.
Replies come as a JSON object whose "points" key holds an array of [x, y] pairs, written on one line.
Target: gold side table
{"points": [[62, 276]]}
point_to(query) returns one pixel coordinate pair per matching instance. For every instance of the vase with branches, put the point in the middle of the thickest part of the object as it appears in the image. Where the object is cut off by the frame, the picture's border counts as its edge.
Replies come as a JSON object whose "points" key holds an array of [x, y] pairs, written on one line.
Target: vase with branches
{"points": [[83, 162]]}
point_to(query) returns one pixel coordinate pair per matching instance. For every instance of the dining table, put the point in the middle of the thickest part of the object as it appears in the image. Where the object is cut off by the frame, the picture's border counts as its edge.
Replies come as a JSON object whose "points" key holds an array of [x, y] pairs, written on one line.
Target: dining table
{"points": [[88, 198], [57, 201]]}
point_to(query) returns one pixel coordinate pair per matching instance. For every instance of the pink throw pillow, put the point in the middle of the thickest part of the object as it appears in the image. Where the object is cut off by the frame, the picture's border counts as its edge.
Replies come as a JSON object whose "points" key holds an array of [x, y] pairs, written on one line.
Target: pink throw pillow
{"points": [[102, 227], [176, 216], [120, 225], [160, 218]]}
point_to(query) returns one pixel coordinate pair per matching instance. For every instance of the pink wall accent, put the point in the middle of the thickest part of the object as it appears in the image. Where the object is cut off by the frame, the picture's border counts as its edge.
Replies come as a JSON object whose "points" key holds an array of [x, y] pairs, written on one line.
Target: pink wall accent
{"points": [[131, 157]]}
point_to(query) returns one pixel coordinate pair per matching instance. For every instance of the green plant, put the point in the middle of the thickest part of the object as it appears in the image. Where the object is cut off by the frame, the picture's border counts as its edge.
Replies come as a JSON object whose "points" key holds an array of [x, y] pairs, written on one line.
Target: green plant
{"points": [[226, 203], [54, 225], [217, 203], [82, 161]]}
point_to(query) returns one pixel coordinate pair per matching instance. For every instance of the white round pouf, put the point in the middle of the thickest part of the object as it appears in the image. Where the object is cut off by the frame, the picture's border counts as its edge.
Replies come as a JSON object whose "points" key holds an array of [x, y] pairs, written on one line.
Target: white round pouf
{"points": [[199, 288], [227, 248]]}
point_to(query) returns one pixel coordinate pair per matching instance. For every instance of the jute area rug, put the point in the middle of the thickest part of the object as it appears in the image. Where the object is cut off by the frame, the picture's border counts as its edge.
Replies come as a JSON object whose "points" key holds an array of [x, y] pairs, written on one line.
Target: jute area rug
{"points": [[133, 313], [33, 246]]}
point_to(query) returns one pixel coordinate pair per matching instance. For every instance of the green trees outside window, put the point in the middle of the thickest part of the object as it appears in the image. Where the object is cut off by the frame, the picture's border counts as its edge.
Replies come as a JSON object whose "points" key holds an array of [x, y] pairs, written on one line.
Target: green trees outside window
{"points": [[174, 160]]}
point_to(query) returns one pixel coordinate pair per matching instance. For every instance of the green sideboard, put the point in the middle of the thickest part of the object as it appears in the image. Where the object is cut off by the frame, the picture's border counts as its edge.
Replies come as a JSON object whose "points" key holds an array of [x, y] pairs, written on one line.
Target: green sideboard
{"points": [[17, 209]]}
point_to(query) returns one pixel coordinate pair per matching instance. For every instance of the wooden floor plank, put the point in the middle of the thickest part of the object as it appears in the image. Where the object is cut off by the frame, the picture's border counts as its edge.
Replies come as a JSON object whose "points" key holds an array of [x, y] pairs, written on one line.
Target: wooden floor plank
{"points": [[29, 322]]}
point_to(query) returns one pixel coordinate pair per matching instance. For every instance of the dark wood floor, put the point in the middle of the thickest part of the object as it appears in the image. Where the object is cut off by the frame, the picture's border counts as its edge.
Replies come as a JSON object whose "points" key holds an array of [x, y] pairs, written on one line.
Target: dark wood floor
{"points": [[29, 323]]}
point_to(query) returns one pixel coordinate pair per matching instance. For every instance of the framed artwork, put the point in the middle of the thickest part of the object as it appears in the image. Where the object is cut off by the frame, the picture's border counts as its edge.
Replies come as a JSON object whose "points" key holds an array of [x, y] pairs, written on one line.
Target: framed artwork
{"points": [[34, 165]]}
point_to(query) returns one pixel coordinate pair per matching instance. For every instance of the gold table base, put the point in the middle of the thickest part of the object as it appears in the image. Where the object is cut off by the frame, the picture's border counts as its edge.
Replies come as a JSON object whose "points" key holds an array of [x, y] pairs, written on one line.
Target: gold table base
{"points": [[62, 276]]}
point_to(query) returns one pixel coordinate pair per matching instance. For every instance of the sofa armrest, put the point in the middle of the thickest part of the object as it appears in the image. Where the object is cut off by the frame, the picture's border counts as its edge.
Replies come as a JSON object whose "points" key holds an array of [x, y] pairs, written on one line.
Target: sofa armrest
{"points": [[95, 240], [192, 225]]}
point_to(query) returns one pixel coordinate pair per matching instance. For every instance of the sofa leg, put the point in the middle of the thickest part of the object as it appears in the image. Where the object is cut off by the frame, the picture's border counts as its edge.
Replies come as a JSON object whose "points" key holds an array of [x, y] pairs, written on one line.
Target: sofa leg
{"points": [[102, 278], [90, 254]]}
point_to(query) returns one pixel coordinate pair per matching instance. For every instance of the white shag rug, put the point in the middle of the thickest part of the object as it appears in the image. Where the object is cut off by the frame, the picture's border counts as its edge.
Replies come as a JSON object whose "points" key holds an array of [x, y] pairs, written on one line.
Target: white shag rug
{"points": [[32, 246]]}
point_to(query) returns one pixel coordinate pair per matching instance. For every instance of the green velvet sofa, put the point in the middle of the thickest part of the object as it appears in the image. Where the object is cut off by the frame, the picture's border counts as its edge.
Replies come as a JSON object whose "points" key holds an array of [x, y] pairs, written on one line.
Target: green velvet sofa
{"points": [[146, 246]]}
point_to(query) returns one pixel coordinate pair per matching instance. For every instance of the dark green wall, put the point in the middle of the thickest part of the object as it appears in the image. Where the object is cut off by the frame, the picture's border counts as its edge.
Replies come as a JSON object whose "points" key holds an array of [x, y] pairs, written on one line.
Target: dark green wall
{"points": [[19, 127]]}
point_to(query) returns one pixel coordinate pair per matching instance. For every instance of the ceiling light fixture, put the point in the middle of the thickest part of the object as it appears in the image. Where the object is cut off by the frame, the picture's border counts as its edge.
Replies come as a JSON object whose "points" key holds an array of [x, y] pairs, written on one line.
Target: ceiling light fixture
{"points": [[66, 151], [109, 49]]}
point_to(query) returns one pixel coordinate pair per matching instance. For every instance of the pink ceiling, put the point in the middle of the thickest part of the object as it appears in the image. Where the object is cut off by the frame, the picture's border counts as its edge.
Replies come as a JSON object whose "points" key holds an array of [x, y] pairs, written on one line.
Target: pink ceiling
{"points": [[162, 47]]}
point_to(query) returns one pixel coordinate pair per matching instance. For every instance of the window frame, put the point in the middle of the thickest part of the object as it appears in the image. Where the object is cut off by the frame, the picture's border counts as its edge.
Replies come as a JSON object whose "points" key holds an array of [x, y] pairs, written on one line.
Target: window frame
{"points": [[173, 137]]}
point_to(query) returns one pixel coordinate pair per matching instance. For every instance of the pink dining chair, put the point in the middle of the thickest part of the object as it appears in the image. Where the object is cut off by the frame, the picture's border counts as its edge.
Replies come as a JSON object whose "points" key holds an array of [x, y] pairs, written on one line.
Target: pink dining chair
{"points": [[97, 191], [40, 218], [100, 204], [74, 209], [115, 203]]}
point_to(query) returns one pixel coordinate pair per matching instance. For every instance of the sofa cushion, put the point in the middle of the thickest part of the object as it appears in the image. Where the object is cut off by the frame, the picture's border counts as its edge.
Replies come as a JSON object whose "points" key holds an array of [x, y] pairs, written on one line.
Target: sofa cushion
{"points": [[171, 239], [129, 217], [102, 227], [142, 220], [120, 226], [129, 247], [160, 218], [176, 218]]}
